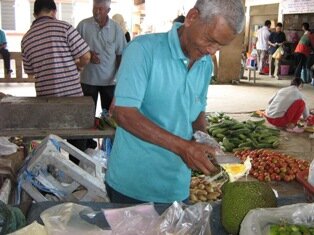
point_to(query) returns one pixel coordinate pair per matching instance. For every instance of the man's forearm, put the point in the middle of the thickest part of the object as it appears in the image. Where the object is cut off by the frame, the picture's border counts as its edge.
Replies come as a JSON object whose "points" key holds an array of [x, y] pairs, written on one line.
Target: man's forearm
{"points": [[200, 123]]}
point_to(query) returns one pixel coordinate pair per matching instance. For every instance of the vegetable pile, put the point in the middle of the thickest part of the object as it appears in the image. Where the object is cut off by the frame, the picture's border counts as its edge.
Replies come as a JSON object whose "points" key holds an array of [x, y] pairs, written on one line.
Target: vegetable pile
{"points": [[268, 165], [288, 229], [233, 135]]}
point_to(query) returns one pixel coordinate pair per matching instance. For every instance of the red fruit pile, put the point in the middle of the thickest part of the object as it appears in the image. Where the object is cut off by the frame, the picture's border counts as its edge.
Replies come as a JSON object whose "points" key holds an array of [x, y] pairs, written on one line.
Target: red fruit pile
{"points": [[269, 165]]}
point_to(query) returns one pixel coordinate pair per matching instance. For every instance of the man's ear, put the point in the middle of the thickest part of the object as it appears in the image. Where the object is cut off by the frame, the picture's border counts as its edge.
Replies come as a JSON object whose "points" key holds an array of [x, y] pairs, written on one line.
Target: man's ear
{"points": [[192, 15], [54, 14]]}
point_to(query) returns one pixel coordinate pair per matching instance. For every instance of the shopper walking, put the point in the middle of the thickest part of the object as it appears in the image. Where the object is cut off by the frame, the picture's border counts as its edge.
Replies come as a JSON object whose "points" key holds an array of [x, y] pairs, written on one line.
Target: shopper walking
{"points": [[302, 51], [262, 45], [276, 39]]}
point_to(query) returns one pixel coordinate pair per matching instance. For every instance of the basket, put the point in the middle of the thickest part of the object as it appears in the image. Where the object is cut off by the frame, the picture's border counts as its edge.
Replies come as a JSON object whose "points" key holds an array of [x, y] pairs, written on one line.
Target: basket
{"points": [[308, 188]]}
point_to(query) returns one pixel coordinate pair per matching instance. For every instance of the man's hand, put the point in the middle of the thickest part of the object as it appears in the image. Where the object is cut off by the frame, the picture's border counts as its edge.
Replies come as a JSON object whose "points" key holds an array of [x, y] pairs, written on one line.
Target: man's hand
{"points": [[94, 58], [195, 156]]}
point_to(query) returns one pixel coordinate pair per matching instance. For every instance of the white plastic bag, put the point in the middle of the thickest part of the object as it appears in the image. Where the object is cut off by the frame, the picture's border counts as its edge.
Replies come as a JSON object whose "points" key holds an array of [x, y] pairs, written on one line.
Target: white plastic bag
{"points": [[66, 219], [6, 147], [258, 221], [311, 174]]}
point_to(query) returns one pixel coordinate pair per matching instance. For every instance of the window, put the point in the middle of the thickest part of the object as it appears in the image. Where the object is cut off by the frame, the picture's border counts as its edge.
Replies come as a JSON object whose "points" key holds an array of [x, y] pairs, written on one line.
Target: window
{"points": [[8, 14], [64, 12]]}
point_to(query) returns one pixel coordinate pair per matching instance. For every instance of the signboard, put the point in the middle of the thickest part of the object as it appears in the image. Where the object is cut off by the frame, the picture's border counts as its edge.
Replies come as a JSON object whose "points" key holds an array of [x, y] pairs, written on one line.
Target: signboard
{"points": [[297, 6]]}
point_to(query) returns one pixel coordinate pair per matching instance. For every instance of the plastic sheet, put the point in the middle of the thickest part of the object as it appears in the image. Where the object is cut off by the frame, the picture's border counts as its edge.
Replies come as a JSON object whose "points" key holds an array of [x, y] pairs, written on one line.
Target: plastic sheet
{"points": [[6, 147], [258, 221], [67, 219], [177, 219]]}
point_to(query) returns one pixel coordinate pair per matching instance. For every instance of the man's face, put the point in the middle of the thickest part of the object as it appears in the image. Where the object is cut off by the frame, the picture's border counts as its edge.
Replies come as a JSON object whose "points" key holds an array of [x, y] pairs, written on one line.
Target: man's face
{"points": [[100, 12], [205, 38], [278, 29]]}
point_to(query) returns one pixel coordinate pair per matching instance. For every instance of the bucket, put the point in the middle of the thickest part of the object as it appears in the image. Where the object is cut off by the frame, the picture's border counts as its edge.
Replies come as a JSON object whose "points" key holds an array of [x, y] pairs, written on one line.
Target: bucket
{"points": [[284, 69]]}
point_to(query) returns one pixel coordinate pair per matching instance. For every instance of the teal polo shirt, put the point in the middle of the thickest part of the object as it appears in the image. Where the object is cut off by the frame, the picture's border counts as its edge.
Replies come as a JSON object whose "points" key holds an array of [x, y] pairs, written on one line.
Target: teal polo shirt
{"points": [[154, 78], [2, 37]]}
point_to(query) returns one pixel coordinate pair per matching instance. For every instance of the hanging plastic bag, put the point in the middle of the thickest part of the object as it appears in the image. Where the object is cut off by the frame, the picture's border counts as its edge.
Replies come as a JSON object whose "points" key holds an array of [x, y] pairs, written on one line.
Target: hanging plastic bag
{"points": [[66, 219], [278, 53], [33, 228], [258, 221]]}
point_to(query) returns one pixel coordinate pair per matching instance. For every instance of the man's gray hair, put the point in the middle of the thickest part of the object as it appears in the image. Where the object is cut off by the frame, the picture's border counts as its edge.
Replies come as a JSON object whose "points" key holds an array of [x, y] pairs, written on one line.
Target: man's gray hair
{"points": [[107, 2], [231, 10]]}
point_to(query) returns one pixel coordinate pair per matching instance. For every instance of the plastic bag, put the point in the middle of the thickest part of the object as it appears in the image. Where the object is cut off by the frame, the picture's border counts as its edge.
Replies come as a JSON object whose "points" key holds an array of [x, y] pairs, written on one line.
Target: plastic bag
{"points": [[133, 220], [204, 138], [66, 219], [177, 219], [6, 147], [258, 221], [278, 53], [311, 174]]}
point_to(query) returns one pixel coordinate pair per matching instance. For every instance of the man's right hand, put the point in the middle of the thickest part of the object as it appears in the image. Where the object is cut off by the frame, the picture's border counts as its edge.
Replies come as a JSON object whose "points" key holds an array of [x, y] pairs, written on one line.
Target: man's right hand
{"points": [[94, 57], [195, 156]]}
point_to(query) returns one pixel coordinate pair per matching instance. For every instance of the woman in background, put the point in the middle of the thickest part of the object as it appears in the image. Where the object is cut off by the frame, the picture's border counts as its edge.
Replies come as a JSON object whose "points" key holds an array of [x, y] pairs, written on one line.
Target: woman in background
{"points": [[120, 21], [287, 106]]}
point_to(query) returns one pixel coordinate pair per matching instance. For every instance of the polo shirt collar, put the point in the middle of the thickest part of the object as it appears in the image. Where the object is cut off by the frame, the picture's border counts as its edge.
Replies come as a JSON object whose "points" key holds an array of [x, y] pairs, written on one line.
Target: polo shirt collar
{"points": [[107, 25], [175, 46]]}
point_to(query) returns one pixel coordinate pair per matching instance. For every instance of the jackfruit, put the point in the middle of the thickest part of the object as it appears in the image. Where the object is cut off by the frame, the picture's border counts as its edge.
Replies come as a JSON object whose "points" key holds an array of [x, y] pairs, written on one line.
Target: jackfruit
{"points": [[239, 198]]}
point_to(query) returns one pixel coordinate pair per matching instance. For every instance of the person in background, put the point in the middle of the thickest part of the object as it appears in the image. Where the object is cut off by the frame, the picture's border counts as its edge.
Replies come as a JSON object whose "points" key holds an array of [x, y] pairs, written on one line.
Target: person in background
{"points": [[276, 39], [179, 19], [160, 101], [5, 53], [120, 21], [107, 42], [302, 52], [287, 106], [262, 45], [54, 52]]}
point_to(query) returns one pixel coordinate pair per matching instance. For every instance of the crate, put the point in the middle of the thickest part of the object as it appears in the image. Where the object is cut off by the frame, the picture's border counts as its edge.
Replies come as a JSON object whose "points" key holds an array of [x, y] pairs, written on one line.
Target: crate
{"points": [[308, 188]]}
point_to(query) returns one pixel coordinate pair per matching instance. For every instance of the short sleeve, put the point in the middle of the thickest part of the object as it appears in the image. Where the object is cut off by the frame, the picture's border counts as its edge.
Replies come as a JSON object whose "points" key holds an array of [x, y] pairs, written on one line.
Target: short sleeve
{"points": [[77, 44], [132, 76]]}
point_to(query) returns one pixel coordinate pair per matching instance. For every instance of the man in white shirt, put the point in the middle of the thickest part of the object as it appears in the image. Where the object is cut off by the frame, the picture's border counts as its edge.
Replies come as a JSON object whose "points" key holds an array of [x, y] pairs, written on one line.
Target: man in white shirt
{"points": [[262, 44]]}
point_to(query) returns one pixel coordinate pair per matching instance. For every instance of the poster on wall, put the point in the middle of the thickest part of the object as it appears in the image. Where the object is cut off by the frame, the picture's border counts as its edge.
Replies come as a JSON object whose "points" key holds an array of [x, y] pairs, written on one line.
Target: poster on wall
{"points": [[297, 6]]}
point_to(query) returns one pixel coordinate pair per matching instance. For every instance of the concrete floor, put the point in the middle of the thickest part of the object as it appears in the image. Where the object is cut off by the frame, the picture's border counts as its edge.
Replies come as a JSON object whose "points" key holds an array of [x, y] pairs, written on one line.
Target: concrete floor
{"points": [[237, 100]]}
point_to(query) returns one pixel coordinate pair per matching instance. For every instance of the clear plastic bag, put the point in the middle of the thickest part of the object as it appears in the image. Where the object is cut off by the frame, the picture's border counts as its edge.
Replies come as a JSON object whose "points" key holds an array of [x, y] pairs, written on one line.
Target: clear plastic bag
{"points": [[258, 221], [177, 219], [204, 138], [67, 219]]}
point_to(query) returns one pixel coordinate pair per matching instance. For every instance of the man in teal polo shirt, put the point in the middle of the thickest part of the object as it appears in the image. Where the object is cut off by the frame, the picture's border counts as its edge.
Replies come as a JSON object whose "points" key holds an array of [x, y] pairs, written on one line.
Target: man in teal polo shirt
{"points": [[160, 101], [5, 53]]}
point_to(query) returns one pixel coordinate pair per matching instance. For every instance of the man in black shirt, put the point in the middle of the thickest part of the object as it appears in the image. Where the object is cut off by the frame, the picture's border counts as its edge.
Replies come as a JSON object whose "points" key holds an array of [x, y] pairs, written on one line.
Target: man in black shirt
{"points": [[275, 40]]}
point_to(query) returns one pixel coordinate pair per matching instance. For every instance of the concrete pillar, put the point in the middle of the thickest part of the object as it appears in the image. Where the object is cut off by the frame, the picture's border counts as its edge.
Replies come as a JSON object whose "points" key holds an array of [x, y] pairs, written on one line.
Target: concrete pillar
{"points": [[229, 62]]}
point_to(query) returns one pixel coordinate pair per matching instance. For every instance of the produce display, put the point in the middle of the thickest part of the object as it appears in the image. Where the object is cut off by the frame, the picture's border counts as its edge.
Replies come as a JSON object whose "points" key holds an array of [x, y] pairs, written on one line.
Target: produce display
{"points": [[204, 191], [290, 229], [268, 165], [234, 135], [239, 198]]}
